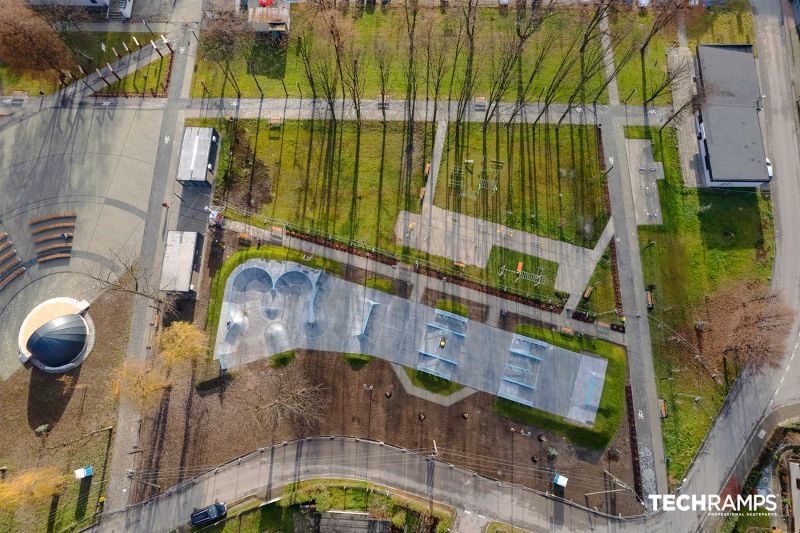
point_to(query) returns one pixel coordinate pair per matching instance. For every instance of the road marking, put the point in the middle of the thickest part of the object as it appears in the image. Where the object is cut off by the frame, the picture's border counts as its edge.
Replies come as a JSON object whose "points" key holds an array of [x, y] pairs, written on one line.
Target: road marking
{"points": [[782, 378], [467, 512], [166, 139], [776, 391], [183, 49], [792, 357], [771, 402], [641, 415]]}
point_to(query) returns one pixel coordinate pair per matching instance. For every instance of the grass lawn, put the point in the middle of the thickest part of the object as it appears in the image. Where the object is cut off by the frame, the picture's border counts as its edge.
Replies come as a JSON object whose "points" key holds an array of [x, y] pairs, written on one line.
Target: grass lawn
{"points": [[612, 402], [635, 25], [547, 182], [404, 511], [281, 359], [732, 24], [356, 361], [500, 527], [350, 194], [150, 80], [91, 57], [602, 301], [432, 383], [451, 306], [278, 68], [709, 239], [381, 284], [278, 253]]}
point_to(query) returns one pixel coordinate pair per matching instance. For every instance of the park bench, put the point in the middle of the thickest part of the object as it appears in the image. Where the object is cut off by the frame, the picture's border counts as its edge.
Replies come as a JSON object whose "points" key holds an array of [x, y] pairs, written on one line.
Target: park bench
{"points": [[662, 408], [5, 246], [58, 225], [588, 292], [54, 216], [3, 236], [57, 246], [10, 267], [6, 256], [52, 237], [52, 257], [8, 279]]}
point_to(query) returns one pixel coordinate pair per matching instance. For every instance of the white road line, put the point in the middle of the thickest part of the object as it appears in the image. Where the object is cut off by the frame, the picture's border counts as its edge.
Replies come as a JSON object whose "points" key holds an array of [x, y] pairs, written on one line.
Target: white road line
{"points": [[792, 357], [776, 391], [782, 378]]}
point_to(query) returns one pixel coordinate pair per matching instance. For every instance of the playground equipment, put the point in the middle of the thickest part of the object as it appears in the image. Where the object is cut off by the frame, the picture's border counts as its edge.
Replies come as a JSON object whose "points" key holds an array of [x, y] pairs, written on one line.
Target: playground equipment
{"points": [[537, 278]]}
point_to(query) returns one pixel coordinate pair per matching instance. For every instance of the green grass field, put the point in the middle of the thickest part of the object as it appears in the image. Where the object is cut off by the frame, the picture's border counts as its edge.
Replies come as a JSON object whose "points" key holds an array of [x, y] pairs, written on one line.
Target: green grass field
{"points": [[601, 302], [612, 401], [149, 80], [279, 70], [91, 56], [709, 239], [721, 25], [356, 361], [432, 383], [309, 175], [548, 182], [635, 25]]}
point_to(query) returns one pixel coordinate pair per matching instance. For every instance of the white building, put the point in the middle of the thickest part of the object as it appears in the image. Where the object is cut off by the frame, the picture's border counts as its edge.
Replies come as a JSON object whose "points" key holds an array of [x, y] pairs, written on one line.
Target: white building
{"points": [[112, 9]]}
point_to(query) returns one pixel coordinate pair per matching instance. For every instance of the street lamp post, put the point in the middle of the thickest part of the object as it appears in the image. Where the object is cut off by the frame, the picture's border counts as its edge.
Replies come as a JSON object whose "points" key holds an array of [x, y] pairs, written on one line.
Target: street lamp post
{"points": [[633, 91]]}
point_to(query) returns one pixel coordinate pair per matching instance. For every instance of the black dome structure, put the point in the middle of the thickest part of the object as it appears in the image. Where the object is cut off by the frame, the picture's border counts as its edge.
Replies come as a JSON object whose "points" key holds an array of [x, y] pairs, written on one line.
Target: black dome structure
{"points": [[60, 344]]}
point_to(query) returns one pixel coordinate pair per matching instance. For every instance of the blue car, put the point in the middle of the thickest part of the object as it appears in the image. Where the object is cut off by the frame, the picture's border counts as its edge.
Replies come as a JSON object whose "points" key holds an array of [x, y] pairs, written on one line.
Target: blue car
{"points": [[208, 515]]}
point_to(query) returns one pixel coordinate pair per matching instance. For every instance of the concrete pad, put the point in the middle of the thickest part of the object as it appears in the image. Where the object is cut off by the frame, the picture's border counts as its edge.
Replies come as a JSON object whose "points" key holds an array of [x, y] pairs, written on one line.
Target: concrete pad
{"points": [[644, 172], [274, 306], [98, 163]]}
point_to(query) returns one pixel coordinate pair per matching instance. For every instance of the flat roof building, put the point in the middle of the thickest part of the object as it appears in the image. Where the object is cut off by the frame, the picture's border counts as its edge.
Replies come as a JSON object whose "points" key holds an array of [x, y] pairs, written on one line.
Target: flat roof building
{"points": [[728, 129], [269, 16], [198, 162], [180, 258]]}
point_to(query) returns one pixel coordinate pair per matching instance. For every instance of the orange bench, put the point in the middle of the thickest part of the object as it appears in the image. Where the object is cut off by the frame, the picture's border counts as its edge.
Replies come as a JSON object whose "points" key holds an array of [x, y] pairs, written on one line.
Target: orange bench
{"points": [[51, 237], [56, 246], [45, 218], [3, 236], [52, 257], [5, 246], [59, 225], [6, 256], [8, 279]]}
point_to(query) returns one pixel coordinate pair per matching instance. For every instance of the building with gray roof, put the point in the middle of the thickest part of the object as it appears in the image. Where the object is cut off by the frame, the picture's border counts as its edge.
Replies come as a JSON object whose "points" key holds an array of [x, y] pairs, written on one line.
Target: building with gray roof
{"points": [[60, 344], [728, 129], [198, 162]]}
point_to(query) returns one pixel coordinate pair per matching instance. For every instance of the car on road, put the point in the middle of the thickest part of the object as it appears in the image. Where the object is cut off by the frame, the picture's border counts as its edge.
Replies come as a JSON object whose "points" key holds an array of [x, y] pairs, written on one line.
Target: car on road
{"points": [[208, 515], [769, 168]]}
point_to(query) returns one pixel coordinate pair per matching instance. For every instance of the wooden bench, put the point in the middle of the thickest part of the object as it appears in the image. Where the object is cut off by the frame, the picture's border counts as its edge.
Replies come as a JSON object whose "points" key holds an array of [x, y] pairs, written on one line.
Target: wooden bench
{"points": [[662, 408], [52, 237], [59, 225], [8, 268], [52, 257], [8, 279], [5, 246], [6, 256], [54, 216], [3, 236], [57, 246]]}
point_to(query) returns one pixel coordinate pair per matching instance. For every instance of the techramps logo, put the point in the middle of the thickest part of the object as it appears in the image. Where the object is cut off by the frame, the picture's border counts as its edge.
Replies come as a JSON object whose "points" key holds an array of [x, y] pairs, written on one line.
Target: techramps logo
{"points": [[716, 505]]}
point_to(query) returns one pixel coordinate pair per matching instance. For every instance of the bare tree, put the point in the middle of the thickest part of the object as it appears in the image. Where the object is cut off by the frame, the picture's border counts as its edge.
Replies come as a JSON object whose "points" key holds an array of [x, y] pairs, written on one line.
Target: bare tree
{"points": [[665, 14], [383, 59], [129, 276], [28, 42], [748, 323], [680, 74], [283, 398], [228, 35], [305, 51], [31, 488], [181, 343]]}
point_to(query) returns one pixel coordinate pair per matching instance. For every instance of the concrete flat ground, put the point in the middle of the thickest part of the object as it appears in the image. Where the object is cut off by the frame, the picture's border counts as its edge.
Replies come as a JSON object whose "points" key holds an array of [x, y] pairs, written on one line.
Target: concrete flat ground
{"points": [[644, 171], [274, 306], [98, 163]]}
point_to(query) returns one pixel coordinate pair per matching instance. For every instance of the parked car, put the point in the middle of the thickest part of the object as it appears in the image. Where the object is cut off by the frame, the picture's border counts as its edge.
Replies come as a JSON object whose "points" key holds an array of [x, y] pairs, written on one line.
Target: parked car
{"points": [[209, 515], [769, 168]]}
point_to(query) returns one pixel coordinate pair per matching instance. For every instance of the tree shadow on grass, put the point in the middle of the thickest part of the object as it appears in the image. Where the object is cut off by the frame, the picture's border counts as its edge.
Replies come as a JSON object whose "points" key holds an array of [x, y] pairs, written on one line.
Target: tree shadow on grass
{"points": [[730, 220], [268, 57], [48, 396]]}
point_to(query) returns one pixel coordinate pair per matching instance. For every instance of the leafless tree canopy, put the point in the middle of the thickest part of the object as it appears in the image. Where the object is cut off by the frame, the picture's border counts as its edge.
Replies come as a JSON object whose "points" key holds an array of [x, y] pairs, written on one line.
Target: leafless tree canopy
{"points": [[747, 324], [129, 276], [28, 42], [284, 398], [227, 34]]}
